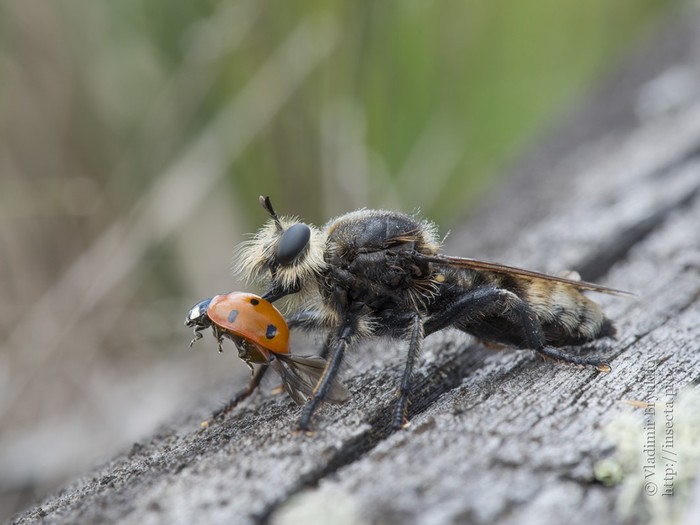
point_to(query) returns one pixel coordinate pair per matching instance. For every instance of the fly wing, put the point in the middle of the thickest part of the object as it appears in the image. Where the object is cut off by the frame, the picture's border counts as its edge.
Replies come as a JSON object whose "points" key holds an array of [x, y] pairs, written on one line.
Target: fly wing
{"points": [[301, 374], [475, 264]]}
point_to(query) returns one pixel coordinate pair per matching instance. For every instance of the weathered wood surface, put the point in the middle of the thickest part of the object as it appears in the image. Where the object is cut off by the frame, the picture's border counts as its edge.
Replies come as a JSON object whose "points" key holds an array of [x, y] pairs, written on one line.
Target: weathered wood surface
{"points": [[496, 437]]}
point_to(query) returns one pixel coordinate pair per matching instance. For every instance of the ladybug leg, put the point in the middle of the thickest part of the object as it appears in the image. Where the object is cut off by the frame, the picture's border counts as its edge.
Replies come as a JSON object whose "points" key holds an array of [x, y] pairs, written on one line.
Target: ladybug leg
{"points": [[400, 419], [219, 336], [197, 335], [240, 396]]}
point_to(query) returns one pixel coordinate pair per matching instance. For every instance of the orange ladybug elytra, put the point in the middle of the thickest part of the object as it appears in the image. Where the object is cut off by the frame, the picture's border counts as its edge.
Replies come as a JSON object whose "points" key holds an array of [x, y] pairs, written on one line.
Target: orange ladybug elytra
{"points": [[252, 318], [261, 336]]}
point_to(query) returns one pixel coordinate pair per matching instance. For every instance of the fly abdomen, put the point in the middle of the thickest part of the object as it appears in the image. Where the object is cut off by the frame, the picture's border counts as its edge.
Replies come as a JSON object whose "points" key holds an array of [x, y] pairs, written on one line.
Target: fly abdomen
{"points": [[566, 315]]}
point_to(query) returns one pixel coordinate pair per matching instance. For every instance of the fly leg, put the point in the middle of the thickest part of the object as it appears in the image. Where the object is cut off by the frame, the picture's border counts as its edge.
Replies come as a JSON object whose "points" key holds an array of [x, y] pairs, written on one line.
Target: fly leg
{"points": [[240, 396], [534, 338], [400, 419], [306, 320], [468, 309], [345, 334], [470, 305]]}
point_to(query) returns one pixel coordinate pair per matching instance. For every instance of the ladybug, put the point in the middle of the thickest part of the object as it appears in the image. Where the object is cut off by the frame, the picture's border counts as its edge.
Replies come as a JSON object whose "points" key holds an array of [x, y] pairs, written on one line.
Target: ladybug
{"points": [[261, 336], [247, 319]]}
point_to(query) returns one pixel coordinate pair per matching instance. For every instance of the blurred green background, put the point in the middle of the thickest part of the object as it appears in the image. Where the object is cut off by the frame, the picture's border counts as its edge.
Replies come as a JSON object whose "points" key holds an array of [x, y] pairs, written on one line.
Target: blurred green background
{"points": [[135, 137]]}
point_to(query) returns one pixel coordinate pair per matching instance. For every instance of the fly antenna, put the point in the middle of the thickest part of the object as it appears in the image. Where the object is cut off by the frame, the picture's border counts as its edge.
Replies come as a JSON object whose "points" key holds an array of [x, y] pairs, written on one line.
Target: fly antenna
{"points": [[265, 203]]}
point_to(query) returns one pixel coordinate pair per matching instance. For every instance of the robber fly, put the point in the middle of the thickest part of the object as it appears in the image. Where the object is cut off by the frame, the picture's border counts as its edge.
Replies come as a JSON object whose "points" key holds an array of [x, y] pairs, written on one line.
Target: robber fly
{"points": [[381, 273]]}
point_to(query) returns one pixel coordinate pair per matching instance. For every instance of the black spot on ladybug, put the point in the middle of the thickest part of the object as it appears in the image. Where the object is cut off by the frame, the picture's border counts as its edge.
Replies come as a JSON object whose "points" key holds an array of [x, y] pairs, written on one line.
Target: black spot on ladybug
{"points": [[271, 331], [232, 316], [254, 302]]}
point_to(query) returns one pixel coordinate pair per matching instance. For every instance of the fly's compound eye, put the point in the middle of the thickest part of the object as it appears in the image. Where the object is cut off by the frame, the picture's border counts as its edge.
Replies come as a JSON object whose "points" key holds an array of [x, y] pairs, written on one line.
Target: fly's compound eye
{"points": [[292, 243]]}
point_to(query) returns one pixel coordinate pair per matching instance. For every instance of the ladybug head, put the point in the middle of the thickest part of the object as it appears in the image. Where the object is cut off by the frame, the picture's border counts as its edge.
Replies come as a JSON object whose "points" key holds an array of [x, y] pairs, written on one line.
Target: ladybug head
{"points": [[197, 316]]}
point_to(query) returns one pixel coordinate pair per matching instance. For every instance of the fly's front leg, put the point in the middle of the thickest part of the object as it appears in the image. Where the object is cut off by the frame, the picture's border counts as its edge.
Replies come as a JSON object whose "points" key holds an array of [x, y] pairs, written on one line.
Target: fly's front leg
{"points": [[400, 419], [277, 291], [307, 319]]}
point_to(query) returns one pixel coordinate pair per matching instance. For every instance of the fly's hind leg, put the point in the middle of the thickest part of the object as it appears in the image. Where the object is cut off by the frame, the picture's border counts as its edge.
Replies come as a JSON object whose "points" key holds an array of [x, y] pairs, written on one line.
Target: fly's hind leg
{"points": [[491, 301], [535, 339], [308, 320], [559, 355]]}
